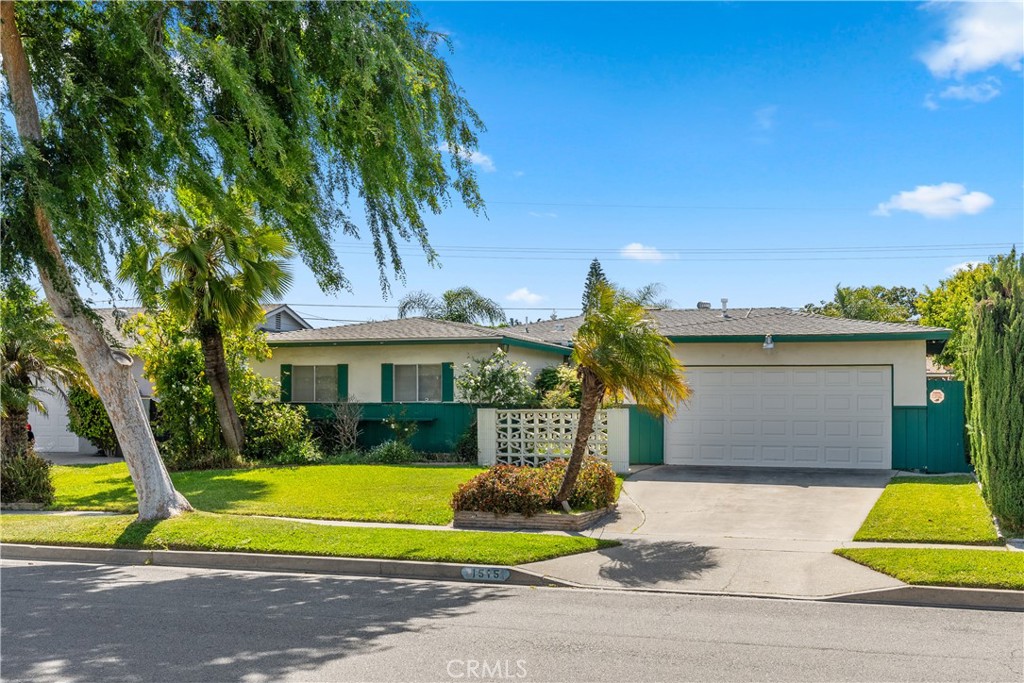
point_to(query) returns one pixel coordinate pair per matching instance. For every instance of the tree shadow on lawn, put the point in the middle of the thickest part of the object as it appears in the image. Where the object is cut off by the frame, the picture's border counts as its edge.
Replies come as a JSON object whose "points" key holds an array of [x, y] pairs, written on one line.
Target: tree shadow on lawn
{"points": [[643, 563], [86, 623], [207, 490]]}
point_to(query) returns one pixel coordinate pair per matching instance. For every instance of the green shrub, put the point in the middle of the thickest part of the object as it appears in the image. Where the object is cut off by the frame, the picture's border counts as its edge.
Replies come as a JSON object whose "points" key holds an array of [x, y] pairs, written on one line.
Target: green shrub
{"points": [[505, 489], [88, 419], [559, 387], [993, 387], [392, 453], [595, 487], [466, 448], [496, 381], [280, 433], [25, 478]]}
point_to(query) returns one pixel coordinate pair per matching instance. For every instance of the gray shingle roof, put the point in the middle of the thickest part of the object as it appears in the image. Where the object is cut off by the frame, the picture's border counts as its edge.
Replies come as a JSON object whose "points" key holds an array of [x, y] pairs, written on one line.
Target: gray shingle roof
{"points": [[741, 322], [404, 329]]}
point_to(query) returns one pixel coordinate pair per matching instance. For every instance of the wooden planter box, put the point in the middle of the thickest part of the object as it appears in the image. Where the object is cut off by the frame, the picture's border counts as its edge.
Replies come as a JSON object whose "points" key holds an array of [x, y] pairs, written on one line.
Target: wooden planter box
{"points": [[545, 521]]}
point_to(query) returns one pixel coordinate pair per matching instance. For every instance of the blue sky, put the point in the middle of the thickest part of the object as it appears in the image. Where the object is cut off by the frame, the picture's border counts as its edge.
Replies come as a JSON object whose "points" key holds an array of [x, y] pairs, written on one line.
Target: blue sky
{"points": [[702, 145]]}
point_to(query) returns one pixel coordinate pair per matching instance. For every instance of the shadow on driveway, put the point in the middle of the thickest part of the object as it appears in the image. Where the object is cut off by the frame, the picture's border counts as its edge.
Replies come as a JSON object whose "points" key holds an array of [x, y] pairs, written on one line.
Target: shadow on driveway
{"points": [[639, 563]]}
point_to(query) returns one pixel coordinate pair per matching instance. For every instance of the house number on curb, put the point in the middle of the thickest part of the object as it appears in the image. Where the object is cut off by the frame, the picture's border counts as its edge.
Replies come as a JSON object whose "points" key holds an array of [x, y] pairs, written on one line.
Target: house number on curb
{"points": [[485, 574], [937, 396]]}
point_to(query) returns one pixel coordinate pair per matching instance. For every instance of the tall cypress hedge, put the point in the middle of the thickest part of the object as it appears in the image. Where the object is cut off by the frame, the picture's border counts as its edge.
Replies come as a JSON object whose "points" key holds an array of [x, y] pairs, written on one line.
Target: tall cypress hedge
{"points": [[994, 363]]}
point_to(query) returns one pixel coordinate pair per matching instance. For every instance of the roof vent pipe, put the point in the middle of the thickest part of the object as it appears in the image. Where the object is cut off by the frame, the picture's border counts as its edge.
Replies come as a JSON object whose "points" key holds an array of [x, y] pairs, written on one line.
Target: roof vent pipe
{"points": [[703, 305], [725, 308]]}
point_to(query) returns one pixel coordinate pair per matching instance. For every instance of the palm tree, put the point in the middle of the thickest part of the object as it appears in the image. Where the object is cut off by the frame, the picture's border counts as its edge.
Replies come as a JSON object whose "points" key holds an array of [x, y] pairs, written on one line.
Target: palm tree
{"points": [[461, 305], [618, 350], [647, 296], [217, 275], [37, 358]]}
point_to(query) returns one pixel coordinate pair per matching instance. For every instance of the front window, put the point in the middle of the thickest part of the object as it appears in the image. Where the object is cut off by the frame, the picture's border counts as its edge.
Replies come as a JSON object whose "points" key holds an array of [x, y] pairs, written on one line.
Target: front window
{"points": [[417, 383], [315, 384]]}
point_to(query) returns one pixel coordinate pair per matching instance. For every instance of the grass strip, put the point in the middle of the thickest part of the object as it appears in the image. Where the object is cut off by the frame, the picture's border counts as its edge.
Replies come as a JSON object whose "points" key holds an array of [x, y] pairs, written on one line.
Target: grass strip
{"points": [[206, 531], [944, 566], [930, 510]]}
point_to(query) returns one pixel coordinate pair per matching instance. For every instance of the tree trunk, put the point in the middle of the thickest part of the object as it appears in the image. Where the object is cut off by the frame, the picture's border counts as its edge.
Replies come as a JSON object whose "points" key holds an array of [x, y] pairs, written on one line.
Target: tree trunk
{"points": [[112, 377], [593, 392], [212, 341], [13, 435]]}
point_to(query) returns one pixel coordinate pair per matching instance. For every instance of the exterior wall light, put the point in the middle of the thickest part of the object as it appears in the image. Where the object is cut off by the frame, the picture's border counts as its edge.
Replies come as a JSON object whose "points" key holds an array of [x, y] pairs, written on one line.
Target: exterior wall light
{"points": [[769, 344]]}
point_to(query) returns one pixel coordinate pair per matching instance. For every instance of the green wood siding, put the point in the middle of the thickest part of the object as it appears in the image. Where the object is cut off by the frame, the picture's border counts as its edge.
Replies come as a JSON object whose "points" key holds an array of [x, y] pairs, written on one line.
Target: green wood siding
{"points": [[439, 424], [286, 383], [909, 437], [387, 382], [946, 447], [646, 437], [342, 382], [447, 382]]}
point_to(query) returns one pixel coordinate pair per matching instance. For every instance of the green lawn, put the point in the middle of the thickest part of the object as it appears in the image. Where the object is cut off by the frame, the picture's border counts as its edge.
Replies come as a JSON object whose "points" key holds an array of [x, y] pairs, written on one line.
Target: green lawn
{"points": [[205, 531], [930, 510], [944, 566], [372, 493]]}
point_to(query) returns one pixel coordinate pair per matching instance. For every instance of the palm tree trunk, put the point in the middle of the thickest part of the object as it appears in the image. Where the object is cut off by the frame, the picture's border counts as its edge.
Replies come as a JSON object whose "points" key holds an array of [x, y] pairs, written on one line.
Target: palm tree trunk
{"points": [[112, 378], [212, 341], [593, 392], [13, 435]]}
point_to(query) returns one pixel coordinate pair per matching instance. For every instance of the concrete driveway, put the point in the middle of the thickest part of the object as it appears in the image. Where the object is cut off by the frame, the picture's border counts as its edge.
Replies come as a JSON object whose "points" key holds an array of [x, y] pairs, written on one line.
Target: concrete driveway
{"points": [[754, 531]]}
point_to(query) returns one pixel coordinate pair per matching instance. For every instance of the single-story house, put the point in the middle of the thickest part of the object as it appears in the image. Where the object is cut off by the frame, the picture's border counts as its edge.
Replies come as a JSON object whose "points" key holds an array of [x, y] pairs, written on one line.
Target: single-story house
{"points": [[396, 368], [51, 430], [775, 387]]}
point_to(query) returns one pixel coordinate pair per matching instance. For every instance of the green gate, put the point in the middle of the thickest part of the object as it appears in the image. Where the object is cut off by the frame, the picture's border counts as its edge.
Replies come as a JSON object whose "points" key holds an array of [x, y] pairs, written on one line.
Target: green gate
{"points": [[947, 450]]}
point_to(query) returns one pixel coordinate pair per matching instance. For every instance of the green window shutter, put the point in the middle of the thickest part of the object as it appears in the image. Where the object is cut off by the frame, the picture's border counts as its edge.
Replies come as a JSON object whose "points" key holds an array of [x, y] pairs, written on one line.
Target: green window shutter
{"points": [[387, 383], [286, 383], [342, 383], [447, 382]]}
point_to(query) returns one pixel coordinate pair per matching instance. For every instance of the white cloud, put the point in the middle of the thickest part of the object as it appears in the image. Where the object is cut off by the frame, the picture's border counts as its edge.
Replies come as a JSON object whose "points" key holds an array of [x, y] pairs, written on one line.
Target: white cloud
{"points": [[518, 174], [966, 265], [640, 252], [764, 117], [929, 102], [474, 157], [979, 35], [542, 214], [524, 295], [979, 92], [944, 200]]}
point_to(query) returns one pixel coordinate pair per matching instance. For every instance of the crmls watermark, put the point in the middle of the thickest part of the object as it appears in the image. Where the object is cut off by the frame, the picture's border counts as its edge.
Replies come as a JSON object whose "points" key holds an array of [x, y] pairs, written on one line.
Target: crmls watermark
{"points": [[503, 669]]}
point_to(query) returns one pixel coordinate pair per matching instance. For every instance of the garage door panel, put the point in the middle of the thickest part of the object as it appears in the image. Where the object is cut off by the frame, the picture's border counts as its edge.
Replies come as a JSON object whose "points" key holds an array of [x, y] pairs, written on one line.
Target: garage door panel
{"points": [[777, 417]]}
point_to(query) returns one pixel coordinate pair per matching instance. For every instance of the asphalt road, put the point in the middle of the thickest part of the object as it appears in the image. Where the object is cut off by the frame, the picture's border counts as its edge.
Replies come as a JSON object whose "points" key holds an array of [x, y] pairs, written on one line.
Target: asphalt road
{"points": [[73, 622]]}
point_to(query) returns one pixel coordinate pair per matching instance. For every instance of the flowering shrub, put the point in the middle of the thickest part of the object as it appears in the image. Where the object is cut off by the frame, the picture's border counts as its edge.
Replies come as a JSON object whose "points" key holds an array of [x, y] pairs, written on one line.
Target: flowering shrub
{"points": [[559, 387], [392, 453], [506, 489], [496, 381]]}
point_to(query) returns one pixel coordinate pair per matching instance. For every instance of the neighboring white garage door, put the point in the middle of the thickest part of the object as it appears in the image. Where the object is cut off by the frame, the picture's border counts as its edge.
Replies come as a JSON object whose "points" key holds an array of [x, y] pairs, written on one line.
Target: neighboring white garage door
{"points": [[784, 417], [51, 430]]}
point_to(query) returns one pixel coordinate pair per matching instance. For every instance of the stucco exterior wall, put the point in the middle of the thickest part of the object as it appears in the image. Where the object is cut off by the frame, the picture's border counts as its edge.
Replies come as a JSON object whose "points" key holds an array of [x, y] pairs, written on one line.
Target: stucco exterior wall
{"points": [[907, 359], [535, 358], [364, 361]]}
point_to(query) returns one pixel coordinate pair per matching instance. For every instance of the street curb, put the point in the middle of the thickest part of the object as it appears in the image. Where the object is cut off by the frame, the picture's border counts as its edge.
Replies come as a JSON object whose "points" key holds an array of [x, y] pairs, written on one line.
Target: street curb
{"points": [[265, 562], [939, 596]]}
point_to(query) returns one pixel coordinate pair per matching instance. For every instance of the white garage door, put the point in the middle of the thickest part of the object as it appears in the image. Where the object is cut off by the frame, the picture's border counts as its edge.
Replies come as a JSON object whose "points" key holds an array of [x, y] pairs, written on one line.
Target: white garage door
{"points": [[784, 417], [51, 430]]}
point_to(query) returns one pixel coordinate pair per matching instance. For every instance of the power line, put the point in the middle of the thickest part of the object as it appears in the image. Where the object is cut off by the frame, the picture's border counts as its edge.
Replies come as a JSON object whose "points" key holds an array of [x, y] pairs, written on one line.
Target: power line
{"points": [[705, 207]]}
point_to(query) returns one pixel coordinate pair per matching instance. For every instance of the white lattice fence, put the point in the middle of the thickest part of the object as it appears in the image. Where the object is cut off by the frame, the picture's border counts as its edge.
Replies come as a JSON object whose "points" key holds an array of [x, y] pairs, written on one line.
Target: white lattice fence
{"points": [[532, 437]]}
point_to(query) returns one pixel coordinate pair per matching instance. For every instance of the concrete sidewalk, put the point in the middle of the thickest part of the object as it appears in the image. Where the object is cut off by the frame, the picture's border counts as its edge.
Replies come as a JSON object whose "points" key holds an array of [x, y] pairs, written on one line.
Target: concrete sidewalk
{"points": [[765, 533]]}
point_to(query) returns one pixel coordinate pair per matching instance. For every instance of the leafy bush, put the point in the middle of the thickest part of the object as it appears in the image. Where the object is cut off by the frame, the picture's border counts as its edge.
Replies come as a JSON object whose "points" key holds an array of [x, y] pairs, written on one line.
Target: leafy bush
{"points": [[403, 429], [505, 489], [25, 478], [496, 381], [466, 448], [88, 419], [559, 387], [279, 433], [392, 453]]}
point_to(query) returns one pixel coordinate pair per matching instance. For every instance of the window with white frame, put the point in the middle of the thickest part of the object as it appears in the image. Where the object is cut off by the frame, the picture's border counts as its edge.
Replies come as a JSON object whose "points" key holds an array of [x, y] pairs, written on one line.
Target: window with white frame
{"points": [[417, 383], [314, 384]]}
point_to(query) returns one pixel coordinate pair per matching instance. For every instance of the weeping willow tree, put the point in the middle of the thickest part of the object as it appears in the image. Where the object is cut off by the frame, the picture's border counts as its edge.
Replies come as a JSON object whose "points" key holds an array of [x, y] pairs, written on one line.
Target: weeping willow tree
{"points": [[994, 385], [327, 114]]}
